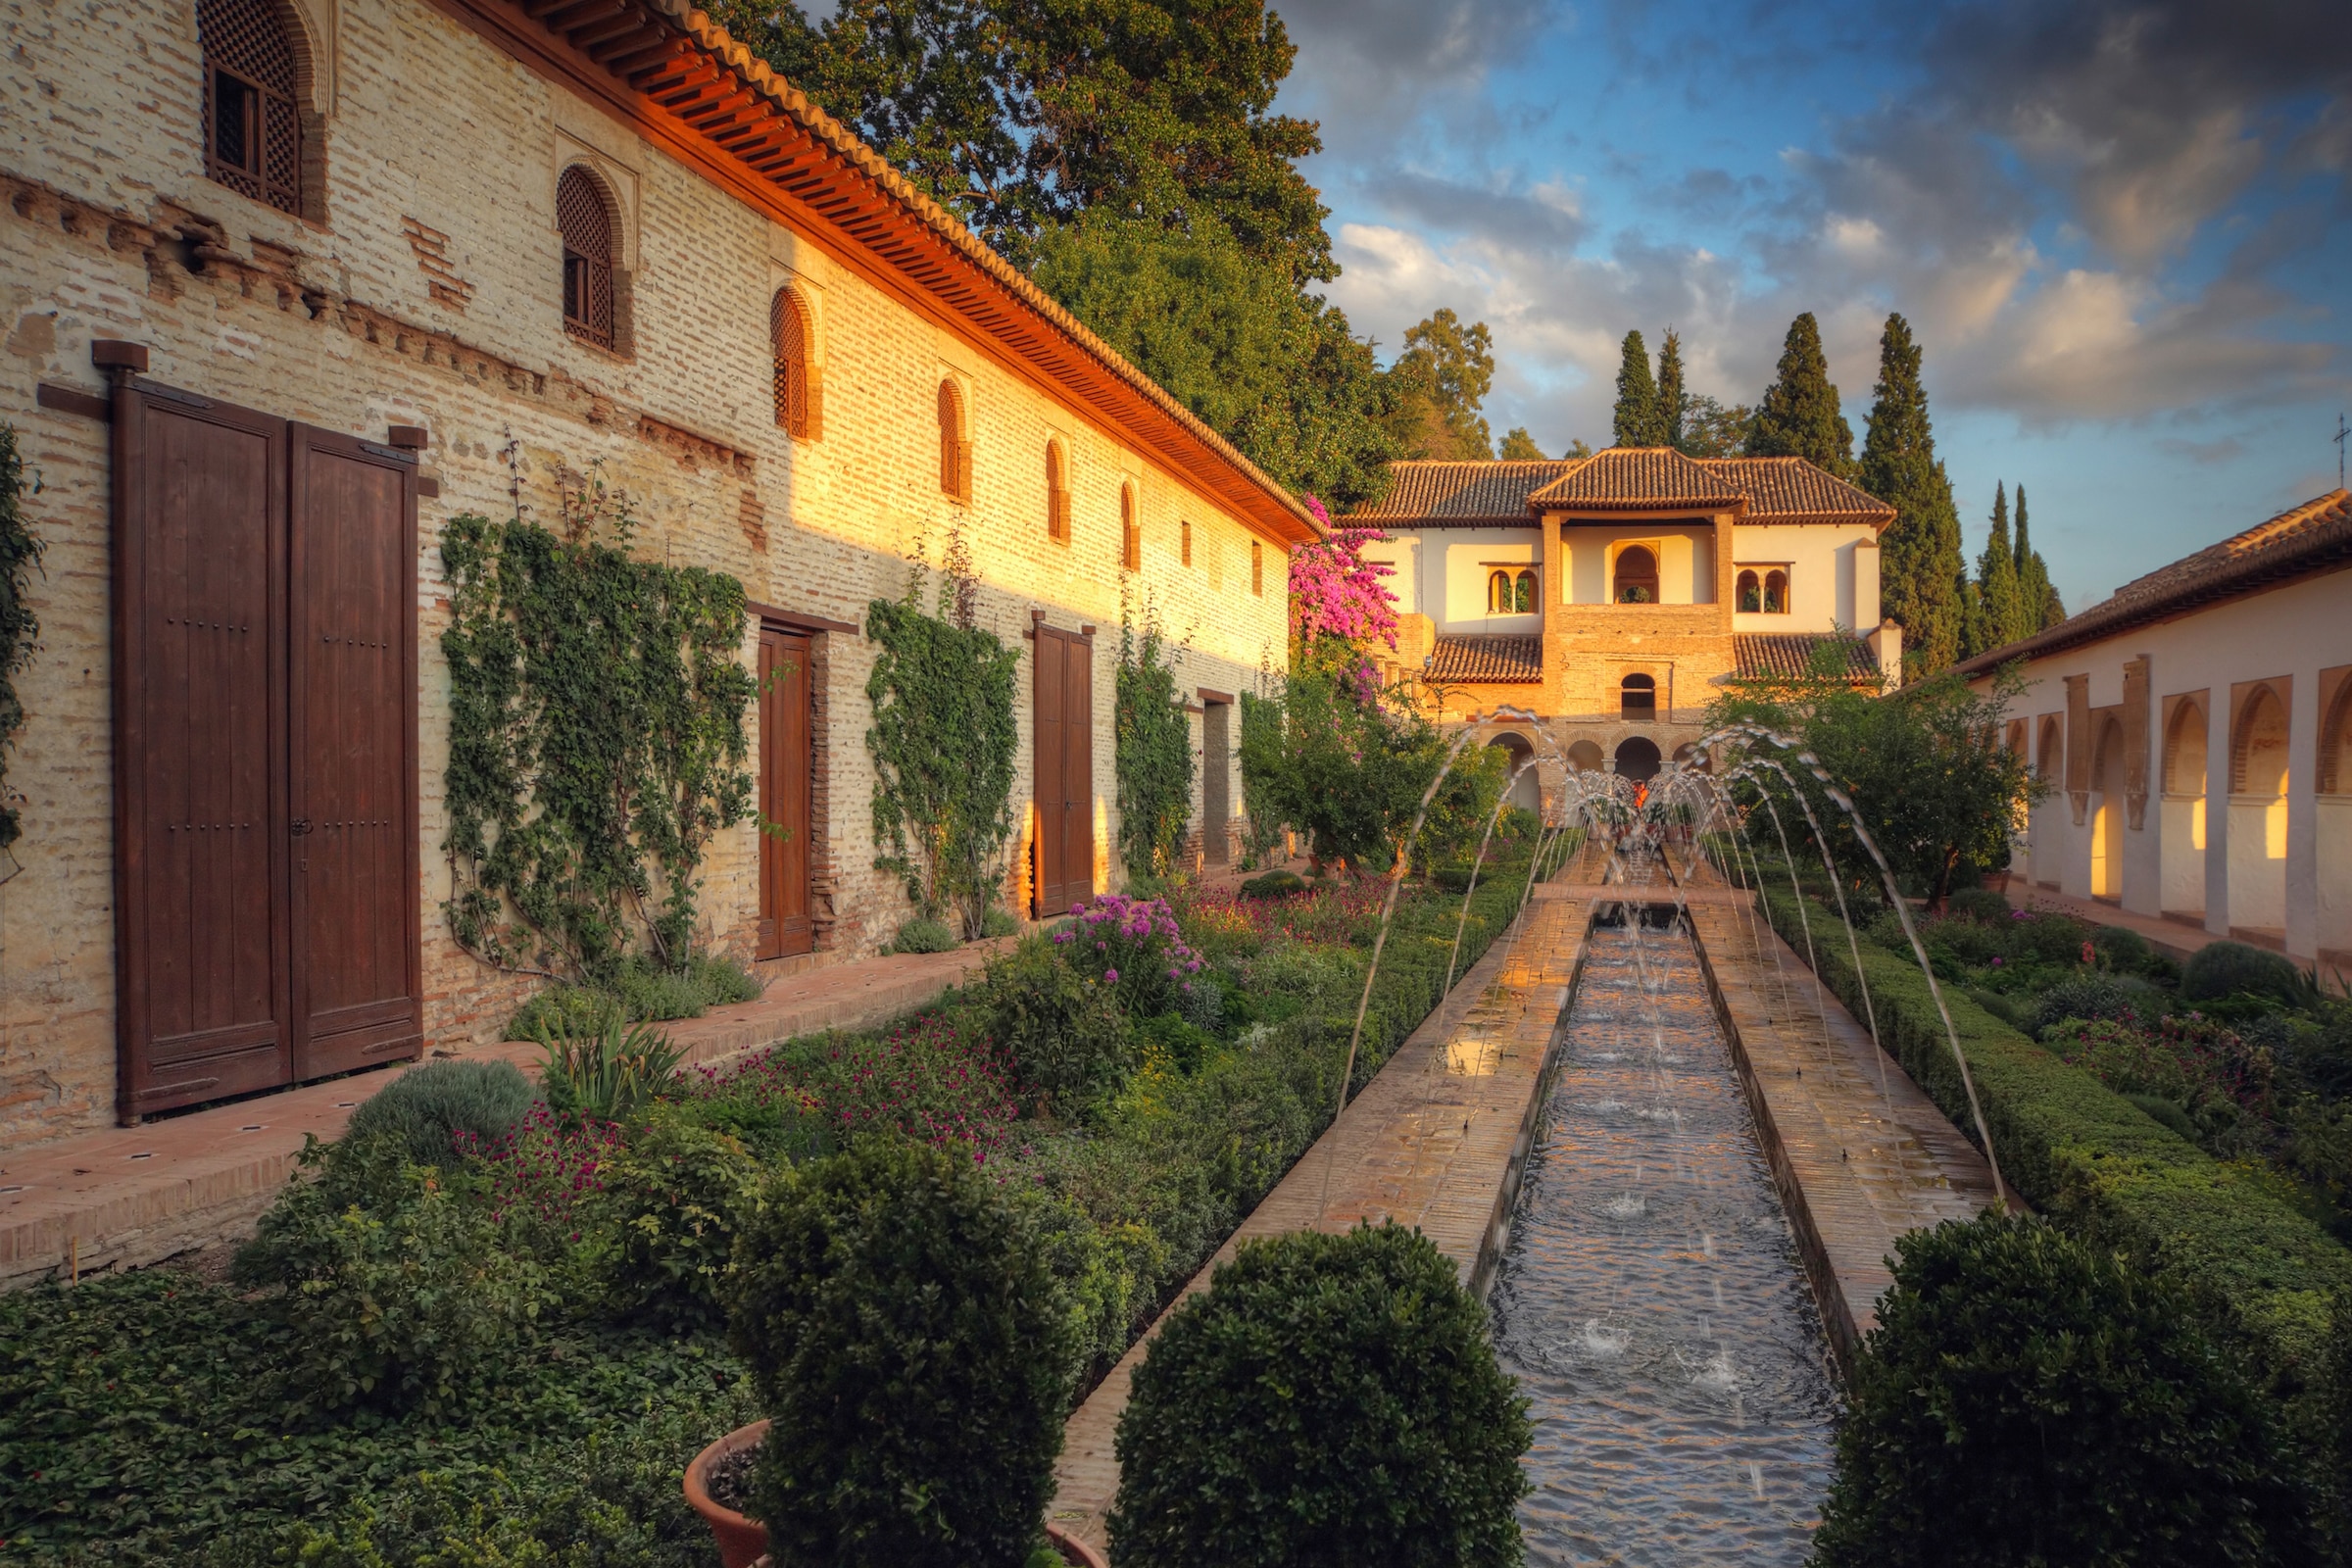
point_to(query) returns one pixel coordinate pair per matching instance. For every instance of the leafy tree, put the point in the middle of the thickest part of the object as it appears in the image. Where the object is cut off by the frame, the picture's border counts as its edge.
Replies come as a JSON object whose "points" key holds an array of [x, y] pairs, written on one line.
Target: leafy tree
{"points": [[1921, 561], [2003, 608], [1575, 449], [1519, 447], [1926, 768], [1712, 430], [1673, 401], [1976, 631], [1153, 757], [1799, 416], [1435, 387], [1272, 368], [2028, 1398], [1635, 422], [1018, 115], [2039, 603]]}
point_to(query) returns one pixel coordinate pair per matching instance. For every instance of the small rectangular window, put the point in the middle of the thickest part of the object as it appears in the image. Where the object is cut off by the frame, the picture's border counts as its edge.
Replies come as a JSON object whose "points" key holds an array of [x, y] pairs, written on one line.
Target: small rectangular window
{"points": [[1187, 543], [1257, 568]]}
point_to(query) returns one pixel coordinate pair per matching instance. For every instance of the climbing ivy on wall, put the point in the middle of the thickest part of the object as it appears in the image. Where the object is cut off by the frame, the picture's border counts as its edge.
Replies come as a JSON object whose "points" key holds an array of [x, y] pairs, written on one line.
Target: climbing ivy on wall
{"points": [[1154, 752], [1261, 732], [943, 743], [20, 553], [595, 739]]}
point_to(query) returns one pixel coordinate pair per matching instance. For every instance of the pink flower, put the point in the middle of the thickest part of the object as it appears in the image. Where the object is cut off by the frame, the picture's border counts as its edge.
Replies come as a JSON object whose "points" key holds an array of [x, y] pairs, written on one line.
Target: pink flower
{"points": [[1111, 976]]}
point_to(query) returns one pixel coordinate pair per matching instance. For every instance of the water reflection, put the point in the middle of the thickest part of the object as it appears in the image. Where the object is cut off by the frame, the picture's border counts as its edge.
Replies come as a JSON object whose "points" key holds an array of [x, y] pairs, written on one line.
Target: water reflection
{"points": [[1650, 1302]]}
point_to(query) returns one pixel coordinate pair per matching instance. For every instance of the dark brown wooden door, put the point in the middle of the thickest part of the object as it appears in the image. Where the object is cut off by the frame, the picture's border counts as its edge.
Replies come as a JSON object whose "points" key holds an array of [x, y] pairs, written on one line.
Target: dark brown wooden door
{"points": [[786, 753], [1064, 767], [358, 986], [266, 766], [1216, 780], [200, 868]]}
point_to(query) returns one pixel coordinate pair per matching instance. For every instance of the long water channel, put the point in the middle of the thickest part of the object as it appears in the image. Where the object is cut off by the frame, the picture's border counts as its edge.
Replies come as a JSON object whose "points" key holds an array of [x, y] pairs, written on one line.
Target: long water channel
{"points": [[1650, 1302]]}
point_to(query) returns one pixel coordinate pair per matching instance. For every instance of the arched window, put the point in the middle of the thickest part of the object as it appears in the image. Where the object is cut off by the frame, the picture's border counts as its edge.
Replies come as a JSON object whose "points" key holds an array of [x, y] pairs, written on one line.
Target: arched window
{"points": [[1637, 576], [954, 445], [2258, 757], [584, 218], [2185, 751], [1057, 494], [1638, 699], [2336, 744], [790, 338], [2050, 760], [1523, 593], [1131, 533], [1257, 567], [1186, 535], [252, 118], [2107, 758], [1776, 593], [1498, 593], [1752, 594]]}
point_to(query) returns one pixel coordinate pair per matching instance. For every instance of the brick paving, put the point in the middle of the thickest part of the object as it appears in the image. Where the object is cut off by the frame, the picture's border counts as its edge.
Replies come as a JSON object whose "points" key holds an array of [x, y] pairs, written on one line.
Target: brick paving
{"points": [[1437, 1140], [128, 1197]]}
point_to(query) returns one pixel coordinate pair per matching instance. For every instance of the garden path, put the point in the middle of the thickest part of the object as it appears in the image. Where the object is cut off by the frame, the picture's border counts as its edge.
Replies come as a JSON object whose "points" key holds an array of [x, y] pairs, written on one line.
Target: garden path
{"points": [[2176, 939], [1437, 1139], [127, 1196]]}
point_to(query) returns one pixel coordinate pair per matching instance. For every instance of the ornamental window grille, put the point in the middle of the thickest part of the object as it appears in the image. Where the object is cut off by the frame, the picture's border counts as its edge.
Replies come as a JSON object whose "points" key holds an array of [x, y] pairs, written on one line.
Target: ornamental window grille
{"points": [[1057, 494], [1184, 540], [954, 445], [1131, 534], [584, 219], [252, 121], [789, 340], [1257, 568]]}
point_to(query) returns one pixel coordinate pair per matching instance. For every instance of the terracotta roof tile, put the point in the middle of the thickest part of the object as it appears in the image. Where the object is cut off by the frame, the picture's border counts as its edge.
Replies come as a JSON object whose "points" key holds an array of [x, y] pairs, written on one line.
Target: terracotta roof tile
{"points": [[1462, 493], [1647, 478], [1788, 655], [1467, 659], [2312, 538], [1789, 490]]}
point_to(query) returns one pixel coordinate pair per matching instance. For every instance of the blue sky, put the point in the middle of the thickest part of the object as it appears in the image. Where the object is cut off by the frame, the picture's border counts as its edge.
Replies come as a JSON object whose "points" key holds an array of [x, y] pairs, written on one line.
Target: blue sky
{"points": [[2122, 232]]}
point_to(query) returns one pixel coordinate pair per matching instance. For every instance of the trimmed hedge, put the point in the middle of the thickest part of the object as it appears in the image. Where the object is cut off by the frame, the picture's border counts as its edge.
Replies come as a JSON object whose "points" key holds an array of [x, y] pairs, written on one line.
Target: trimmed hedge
{"points": [[2100, 1167]]}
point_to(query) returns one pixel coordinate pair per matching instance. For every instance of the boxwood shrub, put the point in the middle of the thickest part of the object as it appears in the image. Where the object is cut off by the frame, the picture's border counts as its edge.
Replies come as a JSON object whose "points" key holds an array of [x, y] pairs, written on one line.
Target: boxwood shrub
{"points": [[1328, 1399], [2270, 1280], [906, 1339]]}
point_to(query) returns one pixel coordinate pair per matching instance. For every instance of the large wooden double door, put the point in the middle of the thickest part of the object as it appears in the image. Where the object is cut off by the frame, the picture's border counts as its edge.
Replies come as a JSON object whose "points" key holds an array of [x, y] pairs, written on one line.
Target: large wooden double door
{"points": [[1064, 767], [267, 866]]}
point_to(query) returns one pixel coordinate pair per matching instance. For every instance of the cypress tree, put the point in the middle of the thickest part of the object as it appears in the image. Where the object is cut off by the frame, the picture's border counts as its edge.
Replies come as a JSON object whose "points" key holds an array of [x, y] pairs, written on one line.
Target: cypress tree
{"points": [[1671, 398], [1976, 627], [1636, 418], [1800, 416], [2038, 604], [1919, 552], [2004, 609]]}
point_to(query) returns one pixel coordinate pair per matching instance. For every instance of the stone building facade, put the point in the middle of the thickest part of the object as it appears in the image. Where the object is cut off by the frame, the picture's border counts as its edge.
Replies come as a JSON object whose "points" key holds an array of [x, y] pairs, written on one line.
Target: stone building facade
{"points": [[2194, 735], [1606, 601], [471, 256]]}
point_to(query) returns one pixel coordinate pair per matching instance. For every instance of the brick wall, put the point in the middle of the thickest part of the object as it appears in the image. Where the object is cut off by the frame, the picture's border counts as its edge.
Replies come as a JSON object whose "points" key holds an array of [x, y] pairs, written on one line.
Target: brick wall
{"points": [[430, 294]]}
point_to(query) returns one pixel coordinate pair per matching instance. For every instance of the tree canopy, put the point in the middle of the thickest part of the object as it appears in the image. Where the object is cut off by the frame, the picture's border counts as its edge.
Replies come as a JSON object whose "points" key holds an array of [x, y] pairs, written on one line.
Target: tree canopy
{"points": [[1635, 422], [2039, 603], [1800, 416], [1920, 560], [1519, 447], [1673, 401], [1020, 115], [1435, 387]]}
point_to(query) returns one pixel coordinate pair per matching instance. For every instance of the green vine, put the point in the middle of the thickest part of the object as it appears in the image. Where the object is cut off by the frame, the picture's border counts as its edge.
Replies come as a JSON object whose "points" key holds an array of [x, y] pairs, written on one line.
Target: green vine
{"points": [[1155, 752], [943, 743], [20, 553], [595, 739], [1261, 732]]}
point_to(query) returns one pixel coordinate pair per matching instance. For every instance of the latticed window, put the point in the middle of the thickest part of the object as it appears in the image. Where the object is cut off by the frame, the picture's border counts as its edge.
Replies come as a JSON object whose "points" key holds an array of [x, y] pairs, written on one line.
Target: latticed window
{"points": [[1257, 568], [1184, 540], [789, 337], [1131, 534], [252, 127], [955, 446], [1057, 494], [585, 220]]}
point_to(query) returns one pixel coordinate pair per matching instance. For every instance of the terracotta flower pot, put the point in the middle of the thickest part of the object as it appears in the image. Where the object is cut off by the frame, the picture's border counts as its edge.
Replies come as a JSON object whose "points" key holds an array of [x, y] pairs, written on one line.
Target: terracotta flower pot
{"points": [[743, 1542]]}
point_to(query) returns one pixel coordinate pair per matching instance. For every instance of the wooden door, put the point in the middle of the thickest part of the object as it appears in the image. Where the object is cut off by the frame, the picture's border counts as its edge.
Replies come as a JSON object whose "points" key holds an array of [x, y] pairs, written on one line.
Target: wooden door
{"points": [[358, 983], [1216, 780], [786, 755], [1064, 767], [200, 868]]}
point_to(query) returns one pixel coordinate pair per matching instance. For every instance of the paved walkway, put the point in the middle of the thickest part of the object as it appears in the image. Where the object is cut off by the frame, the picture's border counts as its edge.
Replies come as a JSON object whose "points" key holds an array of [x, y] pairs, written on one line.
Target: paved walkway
{"points": [[1438, 1140], [2175, 939], [1860, 1153], [128, 1197]]}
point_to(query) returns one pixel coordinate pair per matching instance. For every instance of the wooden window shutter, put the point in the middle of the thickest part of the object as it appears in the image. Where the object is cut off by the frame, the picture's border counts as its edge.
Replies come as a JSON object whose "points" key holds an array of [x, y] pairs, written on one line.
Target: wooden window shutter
{"points": [[1257, 567], [955, 452], [584, 219], [1057, 494], [788, 336], [1188, 541], [963, 471], [1131, 543], [252, 121]]}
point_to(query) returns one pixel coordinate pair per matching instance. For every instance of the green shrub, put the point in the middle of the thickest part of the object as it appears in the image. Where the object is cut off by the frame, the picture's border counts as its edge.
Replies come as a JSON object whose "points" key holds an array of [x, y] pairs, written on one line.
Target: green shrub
{"points": [[923, 934], [1000, 921], [1330, 1398], [2166, 1113], [415, 1302], [2222, 969], [1981, 904], [561, 1009], [2028, 1399], [2089, 997], [1065, 1036], [1453, 879], [899, 1323], [2123, 949], [607, 1074], [423, 1109], [673, 1198], [1274, 885], [2000, 1006], [1179, 1044]]}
